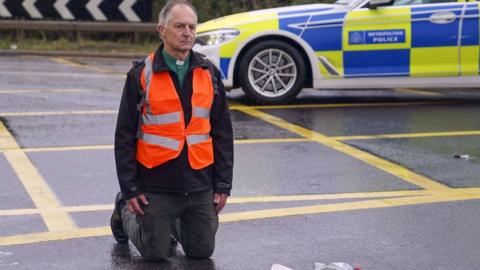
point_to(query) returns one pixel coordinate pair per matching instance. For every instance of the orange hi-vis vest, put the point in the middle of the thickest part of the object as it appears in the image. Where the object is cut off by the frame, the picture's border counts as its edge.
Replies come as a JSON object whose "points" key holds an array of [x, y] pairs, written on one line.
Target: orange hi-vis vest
{"points": [[162, 133]]}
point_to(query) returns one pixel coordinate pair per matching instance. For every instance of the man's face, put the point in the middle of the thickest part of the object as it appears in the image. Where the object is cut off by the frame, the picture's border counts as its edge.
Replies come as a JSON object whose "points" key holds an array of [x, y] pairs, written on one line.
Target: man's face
{"points": [[179, 32]]}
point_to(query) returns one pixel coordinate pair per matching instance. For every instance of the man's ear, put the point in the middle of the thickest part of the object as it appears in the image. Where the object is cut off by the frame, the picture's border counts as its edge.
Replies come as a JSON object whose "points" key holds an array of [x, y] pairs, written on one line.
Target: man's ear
{"points": [[160, 29]]}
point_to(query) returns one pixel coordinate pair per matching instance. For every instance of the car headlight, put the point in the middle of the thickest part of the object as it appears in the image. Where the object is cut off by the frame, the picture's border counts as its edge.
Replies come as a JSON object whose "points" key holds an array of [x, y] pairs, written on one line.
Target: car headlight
{"points": [[216, 37]]}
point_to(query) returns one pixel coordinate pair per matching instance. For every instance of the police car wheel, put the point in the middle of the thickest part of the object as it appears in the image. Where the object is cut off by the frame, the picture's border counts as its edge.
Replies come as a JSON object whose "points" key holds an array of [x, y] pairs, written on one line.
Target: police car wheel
{"points": [[272, 72]]}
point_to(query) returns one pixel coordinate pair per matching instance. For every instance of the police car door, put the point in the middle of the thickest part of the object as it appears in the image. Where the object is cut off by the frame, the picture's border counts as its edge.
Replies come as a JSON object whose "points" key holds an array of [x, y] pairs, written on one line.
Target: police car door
{"points": [[470, 40], [408, 38]]}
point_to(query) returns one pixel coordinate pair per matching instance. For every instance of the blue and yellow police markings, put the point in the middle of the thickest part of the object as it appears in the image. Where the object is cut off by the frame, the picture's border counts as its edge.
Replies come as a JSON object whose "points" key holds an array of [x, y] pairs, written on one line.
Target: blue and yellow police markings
{"points": [[417, 41], [321, 30], [324, 34], [296, 21], [435, 35], [257, 22], [440, 39], [470, 41], [377, 42]]}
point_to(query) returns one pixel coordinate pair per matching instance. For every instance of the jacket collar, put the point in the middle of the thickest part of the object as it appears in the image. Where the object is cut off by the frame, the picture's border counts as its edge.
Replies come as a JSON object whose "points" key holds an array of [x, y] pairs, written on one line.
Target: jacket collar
{"points": [[196, 60]]}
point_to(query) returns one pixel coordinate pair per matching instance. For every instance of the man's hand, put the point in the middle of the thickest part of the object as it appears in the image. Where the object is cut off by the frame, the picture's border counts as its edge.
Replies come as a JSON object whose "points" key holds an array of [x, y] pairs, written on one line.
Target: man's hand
{"points": [[220, 200], [133, 205]]}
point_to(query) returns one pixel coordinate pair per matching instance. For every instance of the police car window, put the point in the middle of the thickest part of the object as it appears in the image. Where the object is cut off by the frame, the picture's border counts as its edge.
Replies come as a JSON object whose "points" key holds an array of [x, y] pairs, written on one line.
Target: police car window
{"points": [[417, 2], [343, 2]]}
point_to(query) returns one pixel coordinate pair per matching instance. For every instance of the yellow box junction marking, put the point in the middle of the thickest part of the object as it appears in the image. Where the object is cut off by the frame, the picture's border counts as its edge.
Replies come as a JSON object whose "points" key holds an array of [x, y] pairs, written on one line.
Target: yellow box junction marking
{"points": [[448, 196], [273, 140], [110, 146], [234, 200], [54, 236], [69, 148], [382, 164], [37, 91], [71, 63], [236, 106], [436, 194], [436, 197], [57, 113], [409, 135], [33, 182]]}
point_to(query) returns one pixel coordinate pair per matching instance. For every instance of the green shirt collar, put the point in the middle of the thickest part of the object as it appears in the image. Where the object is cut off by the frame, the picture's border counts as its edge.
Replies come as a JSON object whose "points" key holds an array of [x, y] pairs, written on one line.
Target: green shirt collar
{"points": [[179, 67], [173, 63]]}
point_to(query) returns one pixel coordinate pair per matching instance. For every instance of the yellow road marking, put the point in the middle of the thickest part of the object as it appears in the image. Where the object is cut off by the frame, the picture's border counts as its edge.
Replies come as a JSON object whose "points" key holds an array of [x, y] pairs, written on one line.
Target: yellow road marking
{"points": [[33, 91], [71, 63], [233, 200], [417, 92], [236, 106], [409, 135], [279, 140], [33, 182], [449, 196], [382, 164], [233, 106], [349, 206], [69, 148], [69, 209], [64, 61], [53, 113], [358, 195], [54, 236], [107, 147]]}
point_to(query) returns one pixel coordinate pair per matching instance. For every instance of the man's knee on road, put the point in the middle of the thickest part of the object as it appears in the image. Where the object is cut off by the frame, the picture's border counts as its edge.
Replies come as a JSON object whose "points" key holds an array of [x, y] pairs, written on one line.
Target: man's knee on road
{"points": [[155, 255], [155, 246], [199, 252]]}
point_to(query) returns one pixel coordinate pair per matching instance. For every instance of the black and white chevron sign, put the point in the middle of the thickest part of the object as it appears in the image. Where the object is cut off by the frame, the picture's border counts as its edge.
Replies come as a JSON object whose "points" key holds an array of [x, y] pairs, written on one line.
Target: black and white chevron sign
{"points": [[79, 10]]}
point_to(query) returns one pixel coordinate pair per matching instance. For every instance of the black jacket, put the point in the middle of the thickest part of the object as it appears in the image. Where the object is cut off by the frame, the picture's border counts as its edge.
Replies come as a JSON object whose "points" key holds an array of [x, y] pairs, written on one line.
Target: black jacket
{"points": [[175, 175]]}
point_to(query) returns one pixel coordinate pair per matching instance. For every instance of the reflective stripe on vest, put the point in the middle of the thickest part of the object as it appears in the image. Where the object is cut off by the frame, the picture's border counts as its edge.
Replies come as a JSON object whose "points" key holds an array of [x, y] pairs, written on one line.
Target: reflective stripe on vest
{"points": [[160, 140], [198, 138], [148, 77], [201, 112], [150, 119], [162, 132]]}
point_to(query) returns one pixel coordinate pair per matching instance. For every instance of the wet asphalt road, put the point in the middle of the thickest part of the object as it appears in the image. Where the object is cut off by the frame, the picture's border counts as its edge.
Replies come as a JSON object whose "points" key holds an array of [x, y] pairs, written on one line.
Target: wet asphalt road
{"points": [[368, 177]]}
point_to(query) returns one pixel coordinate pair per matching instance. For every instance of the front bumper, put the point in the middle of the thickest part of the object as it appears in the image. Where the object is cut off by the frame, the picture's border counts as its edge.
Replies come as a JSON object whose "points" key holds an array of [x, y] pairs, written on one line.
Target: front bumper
{"points": [[213, 54]]}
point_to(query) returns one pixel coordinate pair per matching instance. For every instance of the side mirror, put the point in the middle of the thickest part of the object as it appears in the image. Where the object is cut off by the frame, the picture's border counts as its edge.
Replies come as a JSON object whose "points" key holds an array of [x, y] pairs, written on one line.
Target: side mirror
{"points": [[373, 4]]}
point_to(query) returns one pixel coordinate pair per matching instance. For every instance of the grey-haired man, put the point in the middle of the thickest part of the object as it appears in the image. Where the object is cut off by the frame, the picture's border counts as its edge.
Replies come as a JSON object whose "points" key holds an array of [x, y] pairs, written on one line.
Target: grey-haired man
{"points": [[173, 146]]}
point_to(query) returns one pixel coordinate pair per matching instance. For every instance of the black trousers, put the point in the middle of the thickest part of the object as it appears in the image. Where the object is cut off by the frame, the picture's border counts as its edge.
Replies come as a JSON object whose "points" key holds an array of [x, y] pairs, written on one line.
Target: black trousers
{"points": [[191, 218]]}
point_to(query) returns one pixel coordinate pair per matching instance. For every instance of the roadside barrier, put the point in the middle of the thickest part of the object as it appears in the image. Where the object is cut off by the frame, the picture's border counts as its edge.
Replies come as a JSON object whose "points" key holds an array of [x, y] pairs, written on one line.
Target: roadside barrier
{"points": [[77, 26]]}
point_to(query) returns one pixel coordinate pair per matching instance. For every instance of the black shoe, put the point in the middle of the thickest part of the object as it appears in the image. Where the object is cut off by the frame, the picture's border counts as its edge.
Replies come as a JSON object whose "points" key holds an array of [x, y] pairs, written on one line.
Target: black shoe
{"points": [[116, 223]]}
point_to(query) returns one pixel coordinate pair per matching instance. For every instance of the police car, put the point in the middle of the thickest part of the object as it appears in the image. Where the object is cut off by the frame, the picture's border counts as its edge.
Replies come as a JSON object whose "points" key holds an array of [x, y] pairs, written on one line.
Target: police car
{"points": [[272, 54]]}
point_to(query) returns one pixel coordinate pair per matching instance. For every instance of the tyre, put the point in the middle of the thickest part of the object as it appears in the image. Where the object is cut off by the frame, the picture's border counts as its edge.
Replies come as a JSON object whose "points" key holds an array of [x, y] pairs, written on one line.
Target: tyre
{"points": [[272, 72]]}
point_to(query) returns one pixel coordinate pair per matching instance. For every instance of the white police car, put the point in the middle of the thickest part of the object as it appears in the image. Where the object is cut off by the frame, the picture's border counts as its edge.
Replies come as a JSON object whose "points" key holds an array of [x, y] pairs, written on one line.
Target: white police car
{"points": [[274, 53]]}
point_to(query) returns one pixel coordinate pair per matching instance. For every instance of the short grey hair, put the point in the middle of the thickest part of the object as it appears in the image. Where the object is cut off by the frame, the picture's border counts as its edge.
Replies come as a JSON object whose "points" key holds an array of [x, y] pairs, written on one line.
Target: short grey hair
{"points": [[163, 17]]}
